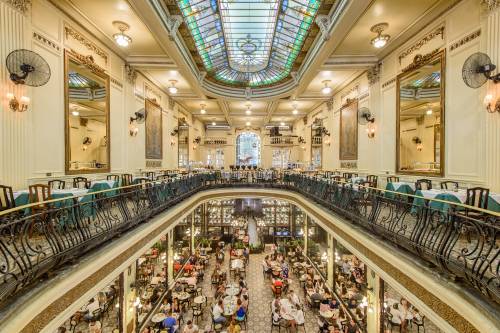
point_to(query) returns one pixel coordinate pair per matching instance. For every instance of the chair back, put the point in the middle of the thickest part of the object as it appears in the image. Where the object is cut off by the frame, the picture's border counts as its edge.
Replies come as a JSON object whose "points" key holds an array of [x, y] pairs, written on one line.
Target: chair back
{"points": [[57, 184], [127, 179], [449, 185], [80, 182], [149, 174], [423, 184], [477, 197], [347, 175], [6, 198], [39, 193], [115, 178], [392, 179], [372, 179]]}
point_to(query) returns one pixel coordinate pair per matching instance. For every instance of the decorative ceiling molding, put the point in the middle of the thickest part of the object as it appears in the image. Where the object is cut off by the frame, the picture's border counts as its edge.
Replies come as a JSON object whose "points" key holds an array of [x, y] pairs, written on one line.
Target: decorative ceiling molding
{"points": [[464, 40], [439, 31], [270, 109], [130, 74], [53, 46], [323, 22], [490, 5], [21, 6], [373, 74], [224, 107], [88, 61], [70, 32]]}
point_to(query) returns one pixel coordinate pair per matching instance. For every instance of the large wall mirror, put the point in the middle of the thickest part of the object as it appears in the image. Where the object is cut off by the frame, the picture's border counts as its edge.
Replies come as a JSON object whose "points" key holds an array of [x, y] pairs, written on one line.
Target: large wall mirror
{"points": [[420, 116], [183, 146], [317, 143], [86, 90]]}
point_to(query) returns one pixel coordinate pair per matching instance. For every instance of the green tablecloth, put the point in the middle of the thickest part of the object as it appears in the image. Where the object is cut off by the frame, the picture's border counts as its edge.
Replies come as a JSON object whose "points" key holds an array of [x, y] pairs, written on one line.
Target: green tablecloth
{"points": [[101, 186], [419, 201], [403, 189]]}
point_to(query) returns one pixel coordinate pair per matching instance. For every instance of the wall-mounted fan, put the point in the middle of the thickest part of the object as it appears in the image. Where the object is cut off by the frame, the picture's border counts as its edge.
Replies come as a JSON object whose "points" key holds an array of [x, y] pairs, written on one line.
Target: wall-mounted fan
{"points": [[27, 67], [365, 116], [140, 116], [477, 70]]}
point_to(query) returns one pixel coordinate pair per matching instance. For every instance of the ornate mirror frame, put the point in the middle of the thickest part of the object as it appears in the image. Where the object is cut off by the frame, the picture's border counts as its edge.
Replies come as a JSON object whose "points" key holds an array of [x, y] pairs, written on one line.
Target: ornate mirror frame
{"points": [[87, 61], [418, 62]]}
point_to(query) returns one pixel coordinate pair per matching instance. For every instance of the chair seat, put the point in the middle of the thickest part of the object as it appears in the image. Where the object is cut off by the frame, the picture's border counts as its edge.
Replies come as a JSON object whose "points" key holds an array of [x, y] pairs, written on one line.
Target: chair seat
{"points": [[197, 312]]}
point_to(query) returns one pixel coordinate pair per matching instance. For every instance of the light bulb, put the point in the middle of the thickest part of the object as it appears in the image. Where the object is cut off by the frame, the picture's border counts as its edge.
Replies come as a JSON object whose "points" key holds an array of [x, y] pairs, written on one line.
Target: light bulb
{"points": [[429, 112], [295, 111], [25, 100], [172, 90], [282, 124], [122, 39], [379, 42], [75, 113], [248, 112], [213, 123], [248, 123], [326, 90], [10, 95], [488, 99]]}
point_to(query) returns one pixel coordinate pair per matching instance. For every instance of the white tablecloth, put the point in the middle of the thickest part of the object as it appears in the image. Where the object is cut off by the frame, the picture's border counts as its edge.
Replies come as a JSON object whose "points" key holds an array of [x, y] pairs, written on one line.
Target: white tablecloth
{"points": [[431, 194], [397, 185]]}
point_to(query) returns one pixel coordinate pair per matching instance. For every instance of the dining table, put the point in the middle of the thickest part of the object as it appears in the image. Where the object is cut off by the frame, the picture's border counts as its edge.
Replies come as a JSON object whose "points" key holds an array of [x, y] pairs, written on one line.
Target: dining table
{"points": [[232, 289], [229, 305], [237, 264], [399, 187], [449, 197], [158, 317]]}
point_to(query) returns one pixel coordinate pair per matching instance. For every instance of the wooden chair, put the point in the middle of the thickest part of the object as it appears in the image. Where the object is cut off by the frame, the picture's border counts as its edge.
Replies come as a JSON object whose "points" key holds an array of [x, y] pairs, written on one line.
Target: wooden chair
{"points": [[419, 323], [38, 193], [149, 175], [449, 185], [127, 179], [393, 179], [372, 179], [349, 175], [80, 182], [115, 178], [57, 184], [197, 312], [423, 184], [6, 198]]}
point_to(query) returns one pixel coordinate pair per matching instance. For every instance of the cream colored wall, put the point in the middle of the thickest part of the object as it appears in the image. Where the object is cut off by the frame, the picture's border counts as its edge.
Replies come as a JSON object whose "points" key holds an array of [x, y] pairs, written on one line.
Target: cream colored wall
{"points": [[32, 143], [471, 134]]}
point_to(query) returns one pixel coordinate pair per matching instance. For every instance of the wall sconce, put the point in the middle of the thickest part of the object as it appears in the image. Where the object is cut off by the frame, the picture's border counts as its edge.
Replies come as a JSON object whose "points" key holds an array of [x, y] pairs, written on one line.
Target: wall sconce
{"points": [[301, 140], [327, 142], [194, 147], [488, 99], [370, 130], [418, 142], [87, 141], [18, 105], [197, 140], [133, 130], [172, 142]]}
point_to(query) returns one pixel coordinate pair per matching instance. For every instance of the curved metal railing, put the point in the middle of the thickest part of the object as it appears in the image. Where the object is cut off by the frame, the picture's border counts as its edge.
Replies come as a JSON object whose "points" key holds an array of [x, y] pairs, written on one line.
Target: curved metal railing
{"points": [[41, 237]]}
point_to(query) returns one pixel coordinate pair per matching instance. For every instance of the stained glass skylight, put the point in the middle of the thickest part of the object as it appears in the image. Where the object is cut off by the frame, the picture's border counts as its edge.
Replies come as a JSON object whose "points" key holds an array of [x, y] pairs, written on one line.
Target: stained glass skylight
{"points": [[249, 42]]}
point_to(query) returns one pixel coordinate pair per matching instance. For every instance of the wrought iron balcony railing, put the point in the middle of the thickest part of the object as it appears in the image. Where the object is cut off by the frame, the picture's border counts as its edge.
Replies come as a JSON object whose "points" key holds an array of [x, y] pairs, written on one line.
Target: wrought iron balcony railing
{"points": [[41, 237]]}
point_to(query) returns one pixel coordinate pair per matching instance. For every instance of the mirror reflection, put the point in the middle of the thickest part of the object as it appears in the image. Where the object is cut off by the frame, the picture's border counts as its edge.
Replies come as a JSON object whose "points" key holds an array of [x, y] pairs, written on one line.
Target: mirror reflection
{"points": [[420, 118], [87, 119], [183, 139], [316, 143]]}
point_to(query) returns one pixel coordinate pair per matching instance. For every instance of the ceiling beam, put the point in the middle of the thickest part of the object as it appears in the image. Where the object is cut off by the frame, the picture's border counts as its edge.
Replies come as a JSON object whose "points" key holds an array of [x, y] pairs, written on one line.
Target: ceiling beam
{"points": [[224, 107], [270, 109]]}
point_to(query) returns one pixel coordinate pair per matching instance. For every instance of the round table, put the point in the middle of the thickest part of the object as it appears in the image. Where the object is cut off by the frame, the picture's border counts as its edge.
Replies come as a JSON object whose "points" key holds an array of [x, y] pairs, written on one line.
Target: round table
{"points": [[232, 290], [199, 299], [326, 314], [159, 317], [287, 316], [182, 296]]}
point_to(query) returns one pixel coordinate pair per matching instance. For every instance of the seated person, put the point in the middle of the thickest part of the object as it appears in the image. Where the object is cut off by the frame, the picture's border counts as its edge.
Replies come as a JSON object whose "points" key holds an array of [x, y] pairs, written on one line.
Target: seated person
{"points": [[299, 316], [170, 323], [324, 306], [244, 302], [157, 279], [334, 305], [277, 283], [294, 298], [218, 312], [240, 313], [176, 307], [353, 304], [165, 306], [94, 326], [178, 287], [233, 327], [91, 307], [190, 327]]}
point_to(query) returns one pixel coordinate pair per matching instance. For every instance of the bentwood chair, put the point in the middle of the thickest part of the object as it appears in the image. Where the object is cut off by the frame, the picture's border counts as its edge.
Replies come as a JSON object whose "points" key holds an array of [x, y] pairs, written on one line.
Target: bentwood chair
{"points": [[149, 174], [115, 178], [423, 184], [419, 323], [6, 198], [392, 179], [373, 180], [449, 185], [57, 184]]}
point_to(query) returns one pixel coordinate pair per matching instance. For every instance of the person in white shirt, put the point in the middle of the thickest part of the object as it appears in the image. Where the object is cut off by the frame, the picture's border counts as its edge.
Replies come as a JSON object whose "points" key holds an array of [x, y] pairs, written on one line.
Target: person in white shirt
{"points": [[294, 298], [218, 313], [190, 327], [396, 314], [157, 279], [299, 316]]}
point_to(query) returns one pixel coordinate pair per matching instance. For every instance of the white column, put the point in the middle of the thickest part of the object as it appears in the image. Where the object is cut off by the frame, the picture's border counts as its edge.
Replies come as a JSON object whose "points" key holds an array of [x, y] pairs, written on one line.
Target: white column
{"points": [[330, 260], [15, 127], [372, 295], [492, 36], [129, 296], [170, 256]]}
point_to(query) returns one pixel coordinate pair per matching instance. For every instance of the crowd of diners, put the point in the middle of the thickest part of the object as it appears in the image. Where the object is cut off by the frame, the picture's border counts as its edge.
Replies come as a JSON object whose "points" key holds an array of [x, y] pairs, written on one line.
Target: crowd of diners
{"points": [[287, 307]]}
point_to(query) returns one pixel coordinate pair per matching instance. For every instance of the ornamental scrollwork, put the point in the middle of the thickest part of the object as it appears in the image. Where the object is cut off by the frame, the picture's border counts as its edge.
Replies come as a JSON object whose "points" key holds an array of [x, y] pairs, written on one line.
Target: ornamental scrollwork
{"points": [[20, 5], [427, 38]]}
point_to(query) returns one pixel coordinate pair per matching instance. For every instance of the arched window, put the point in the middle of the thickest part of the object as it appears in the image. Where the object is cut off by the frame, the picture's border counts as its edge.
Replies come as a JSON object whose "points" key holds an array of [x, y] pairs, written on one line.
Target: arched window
{"points": [[247, 149]]}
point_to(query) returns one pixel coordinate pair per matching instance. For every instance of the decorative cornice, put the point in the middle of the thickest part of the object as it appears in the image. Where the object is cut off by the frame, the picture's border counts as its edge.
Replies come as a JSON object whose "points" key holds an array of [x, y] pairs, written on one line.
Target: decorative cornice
{"points": [[173, 24], [88, 61], [490, 5], [329, 104], [171, 103], [427, 38], [389, 82], [47, 42], [462, 41], [20, 5], [373, 74], [130, 73], [323, 22], [69, 31], [116, 82], [420, 60]]}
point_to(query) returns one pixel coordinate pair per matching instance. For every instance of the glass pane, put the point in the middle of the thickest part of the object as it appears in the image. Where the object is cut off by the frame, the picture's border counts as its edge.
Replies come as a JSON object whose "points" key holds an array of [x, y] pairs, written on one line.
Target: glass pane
{"points": [[248, 149]]}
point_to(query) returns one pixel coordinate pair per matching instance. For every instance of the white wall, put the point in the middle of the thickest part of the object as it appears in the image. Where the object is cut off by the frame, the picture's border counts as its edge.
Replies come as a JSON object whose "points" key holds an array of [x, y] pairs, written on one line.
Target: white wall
{"points": [[32, 143], [472, 140]]}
